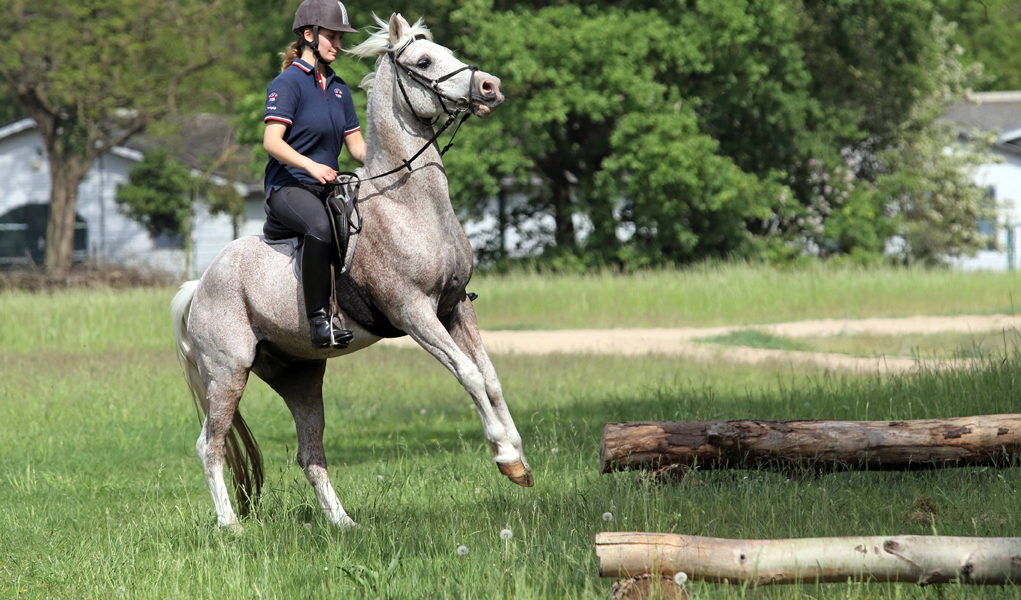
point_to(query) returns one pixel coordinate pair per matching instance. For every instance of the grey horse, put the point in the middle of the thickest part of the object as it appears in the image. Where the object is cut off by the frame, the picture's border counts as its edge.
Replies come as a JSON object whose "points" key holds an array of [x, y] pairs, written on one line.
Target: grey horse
{"points": [[412, 263]]}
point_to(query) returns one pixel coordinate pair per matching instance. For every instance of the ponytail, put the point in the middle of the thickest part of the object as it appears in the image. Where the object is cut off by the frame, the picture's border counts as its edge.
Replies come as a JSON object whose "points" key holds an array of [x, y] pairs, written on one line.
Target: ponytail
{"points": [[291, 53]]}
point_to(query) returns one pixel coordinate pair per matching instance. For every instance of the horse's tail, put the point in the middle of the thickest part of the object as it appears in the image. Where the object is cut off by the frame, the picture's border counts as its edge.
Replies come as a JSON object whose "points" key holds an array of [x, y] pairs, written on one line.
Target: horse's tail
{"points": [[243, 457]]}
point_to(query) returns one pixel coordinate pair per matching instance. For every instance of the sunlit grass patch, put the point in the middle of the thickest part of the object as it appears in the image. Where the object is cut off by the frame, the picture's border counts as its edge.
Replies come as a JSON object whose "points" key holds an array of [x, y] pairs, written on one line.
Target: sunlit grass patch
{"points": [[943, 345], [756, 338]]}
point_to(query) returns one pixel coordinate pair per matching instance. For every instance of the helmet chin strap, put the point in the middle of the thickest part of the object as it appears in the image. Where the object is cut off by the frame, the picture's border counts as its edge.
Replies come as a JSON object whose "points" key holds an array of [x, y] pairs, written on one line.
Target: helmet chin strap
{"points": [[314, 45]]}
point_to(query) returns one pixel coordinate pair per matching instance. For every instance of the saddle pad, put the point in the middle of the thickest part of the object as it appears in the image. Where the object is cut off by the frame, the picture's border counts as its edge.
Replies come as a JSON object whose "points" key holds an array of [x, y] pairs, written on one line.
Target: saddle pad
{"points": [[356, 303]]}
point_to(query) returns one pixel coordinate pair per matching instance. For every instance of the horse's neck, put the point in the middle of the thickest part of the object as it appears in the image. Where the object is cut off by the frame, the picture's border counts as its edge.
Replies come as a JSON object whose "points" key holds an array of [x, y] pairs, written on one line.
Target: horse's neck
{"points": [[395, 136]]}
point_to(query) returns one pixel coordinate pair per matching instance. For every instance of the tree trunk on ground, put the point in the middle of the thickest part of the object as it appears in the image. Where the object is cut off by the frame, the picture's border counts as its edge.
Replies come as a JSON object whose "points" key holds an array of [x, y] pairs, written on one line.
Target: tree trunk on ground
{"points": [[874, 445], [910, 558]]}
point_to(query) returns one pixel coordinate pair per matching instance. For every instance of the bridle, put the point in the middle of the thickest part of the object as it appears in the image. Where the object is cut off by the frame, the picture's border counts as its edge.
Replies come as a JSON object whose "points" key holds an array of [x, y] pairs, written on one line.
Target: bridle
{"points": [[345, 187], [460, 109], [461, 103]]}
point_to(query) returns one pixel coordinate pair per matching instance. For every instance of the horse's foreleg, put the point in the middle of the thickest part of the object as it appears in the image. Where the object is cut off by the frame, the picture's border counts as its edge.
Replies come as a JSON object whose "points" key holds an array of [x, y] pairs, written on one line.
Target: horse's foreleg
{"points": [[301, 387], [458, 346]]}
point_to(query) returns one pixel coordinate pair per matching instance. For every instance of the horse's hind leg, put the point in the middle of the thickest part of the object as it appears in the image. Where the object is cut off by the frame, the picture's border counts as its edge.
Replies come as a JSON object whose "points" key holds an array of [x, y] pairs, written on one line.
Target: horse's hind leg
{"points": [[301, 386], [223, 395]]}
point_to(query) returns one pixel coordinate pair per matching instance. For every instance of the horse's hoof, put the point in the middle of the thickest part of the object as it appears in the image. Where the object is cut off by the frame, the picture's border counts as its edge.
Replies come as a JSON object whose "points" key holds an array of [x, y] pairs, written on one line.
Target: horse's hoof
{"points": [[517, 472], [234, 528]]}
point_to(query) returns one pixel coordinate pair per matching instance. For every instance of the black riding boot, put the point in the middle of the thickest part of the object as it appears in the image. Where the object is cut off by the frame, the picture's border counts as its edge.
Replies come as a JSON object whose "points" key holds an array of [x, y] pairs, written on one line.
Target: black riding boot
{"points": [[315, 282]]}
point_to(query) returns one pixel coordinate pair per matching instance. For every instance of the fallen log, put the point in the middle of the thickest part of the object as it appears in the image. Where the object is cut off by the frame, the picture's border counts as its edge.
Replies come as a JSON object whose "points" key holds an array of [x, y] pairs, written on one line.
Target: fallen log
{"points": [[909, 558], [837, 445]]}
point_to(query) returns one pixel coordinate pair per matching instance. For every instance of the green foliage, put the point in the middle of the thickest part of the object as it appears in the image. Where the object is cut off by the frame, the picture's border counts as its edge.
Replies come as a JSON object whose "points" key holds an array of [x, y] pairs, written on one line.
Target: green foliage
{"points": [[713, 129], [936, 203], [159, 195], [990, 33], [118, 68]]}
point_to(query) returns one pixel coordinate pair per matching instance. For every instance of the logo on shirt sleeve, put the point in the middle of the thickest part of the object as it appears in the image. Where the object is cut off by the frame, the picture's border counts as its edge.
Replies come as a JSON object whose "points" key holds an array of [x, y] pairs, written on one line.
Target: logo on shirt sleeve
{"points": [[337, 92]]}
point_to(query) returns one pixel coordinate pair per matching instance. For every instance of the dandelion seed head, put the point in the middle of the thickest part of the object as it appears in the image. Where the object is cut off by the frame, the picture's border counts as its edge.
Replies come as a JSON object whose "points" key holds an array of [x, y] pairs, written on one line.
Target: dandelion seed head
{"points": [[607, 516], [680, 577], [462, 550], [506, 534], [379, 477]]}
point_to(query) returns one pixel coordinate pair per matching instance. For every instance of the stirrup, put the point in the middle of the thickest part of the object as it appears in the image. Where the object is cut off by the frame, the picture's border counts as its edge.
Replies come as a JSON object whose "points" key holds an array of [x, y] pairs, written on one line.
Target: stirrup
{"points": [[339, 337]]}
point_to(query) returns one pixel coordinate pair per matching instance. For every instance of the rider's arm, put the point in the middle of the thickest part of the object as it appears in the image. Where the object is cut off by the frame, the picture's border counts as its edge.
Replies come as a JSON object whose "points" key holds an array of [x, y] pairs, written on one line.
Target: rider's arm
{"points": [[273, 142], [355, 144]]}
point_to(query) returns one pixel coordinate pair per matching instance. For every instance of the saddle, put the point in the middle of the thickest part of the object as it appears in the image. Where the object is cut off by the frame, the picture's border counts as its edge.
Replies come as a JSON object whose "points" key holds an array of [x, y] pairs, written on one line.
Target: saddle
{"points": [[340, 201]]}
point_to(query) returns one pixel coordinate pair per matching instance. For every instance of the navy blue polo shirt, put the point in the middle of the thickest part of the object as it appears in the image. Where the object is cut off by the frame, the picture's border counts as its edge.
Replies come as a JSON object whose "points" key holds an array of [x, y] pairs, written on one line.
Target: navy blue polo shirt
{"points": [[317, 120]]}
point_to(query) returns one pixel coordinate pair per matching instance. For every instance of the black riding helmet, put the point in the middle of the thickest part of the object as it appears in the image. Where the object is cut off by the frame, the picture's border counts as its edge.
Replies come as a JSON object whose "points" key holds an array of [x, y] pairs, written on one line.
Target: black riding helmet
{"points": [[330, 14]]}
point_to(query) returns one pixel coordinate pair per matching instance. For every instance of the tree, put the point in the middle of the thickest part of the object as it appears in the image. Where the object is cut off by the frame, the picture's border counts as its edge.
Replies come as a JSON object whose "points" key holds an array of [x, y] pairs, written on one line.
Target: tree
{"points": [[643, 120], [159, 195], [990, 33], [118, 67]]}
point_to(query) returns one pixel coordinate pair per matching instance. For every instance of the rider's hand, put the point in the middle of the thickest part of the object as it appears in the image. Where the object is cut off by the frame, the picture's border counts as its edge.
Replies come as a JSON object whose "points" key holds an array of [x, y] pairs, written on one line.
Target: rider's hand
{"points": [[322, 173]]}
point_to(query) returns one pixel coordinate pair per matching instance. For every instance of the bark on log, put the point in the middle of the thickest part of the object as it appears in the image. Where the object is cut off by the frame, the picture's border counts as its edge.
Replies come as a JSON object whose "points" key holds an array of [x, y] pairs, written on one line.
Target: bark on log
{"points": [[874, 445], [909, 558]]}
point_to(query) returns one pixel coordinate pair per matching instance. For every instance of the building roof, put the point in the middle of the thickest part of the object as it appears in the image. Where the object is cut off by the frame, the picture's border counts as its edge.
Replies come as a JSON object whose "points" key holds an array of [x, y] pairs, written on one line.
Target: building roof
{"points": [[998, 112]]}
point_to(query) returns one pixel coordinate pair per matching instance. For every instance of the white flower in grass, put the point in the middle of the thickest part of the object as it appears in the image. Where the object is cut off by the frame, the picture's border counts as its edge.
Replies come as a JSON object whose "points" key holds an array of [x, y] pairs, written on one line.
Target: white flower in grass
{"points": [[506, 534], [607, 516], [553, 450], [680, 577], [379, 477], [462, 550]]}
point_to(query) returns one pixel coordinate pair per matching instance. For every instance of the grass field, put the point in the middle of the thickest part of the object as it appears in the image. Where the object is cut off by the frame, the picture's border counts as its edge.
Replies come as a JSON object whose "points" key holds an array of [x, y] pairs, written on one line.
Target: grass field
{"points": [[945, 345], [101, 495]]}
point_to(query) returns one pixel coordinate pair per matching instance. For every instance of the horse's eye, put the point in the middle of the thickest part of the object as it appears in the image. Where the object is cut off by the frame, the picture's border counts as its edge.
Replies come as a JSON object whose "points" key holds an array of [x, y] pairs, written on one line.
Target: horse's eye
{"points": [[424, 62]]}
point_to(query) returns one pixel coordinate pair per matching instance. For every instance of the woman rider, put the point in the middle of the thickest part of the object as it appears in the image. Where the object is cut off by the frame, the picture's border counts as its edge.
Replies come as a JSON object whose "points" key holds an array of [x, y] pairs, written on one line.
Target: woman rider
{"points": [[309, 112]]}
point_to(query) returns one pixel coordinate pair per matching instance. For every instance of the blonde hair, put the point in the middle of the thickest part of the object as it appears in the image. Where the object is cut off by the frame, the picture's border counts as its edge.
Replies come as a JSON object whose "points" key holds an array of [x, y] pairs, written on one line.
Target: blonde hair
{"points": [[291, 53]]}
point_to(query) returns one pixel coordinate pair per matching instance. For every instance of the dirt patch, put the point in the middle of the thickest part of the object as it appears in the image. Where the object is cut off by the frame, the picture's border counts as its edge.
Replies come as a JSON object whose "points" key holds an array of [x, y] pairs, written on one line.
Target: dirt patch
{"points": [[681, 341]]}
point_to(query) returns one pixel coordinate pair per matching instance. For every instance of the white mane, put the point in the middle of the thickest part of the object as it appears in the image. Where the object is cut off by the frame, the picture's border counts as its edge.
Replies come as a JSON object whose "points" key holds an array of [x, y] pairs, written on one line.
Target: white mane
{"points": [[379, 42]]}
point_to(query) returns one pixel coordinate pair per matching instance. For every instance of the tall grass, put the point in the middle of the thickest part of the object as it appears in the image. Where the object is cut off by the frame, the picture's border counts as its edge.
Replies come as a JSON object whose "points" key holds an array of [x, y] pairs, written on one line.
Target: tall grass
{"points": [[101, 495], [735, 294]]}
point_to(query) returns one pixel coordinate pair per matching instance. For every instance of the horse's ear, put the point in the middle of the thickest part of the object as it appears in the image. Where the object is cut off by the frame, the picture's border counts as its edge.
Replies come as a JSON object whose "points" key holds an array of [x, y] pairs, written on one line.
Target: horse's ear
{"points": [[398, 27]]}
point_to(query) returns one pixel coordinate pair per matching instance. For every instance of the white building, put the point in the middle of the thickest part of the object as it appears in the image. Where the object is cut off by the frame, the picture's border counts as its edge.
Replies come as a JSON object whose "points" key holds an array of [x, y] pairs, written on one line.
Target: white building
{"points": [[998, 113], [103, 234]]}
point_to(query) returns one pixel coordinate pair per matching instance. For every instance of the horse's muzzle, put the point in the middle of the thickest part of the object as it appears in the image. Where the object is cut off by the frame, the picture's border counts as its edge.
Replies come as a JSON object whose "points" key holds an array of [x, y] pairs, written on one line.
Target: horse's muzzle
{"points": [[486, 96]]}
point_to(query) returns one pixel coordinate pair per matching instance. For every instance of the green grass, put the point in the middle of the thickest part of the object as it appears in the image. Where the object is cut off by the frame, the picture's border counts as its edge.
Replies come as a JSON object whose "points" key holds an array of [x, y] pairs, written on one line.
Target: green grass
{"points": [[735, 294], [101, 495], [946, 345], [756, 338]]}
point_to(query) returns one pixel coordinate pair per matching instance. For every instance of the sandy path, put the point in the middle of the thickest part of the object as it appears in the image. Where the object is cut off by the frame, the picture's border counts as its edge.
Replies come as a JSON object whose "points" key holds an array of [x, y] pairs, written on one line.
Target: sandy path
{"points": [[680, 342]]}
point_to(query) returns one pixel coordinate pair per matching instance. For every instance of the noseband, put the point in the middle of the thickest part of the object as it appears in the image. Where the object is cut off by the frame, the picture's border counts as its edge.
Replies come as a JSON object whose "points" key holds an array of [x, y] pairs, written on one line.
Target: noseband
{"points": [[461, 103]]}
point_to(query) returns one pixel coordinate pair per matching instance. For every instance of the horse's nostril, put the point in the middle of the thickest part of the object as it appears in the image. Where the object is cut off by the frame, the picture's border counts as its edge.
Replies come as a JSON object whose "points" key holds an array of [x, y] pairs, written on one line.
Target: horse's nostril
{"points": [[489, 88]]}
